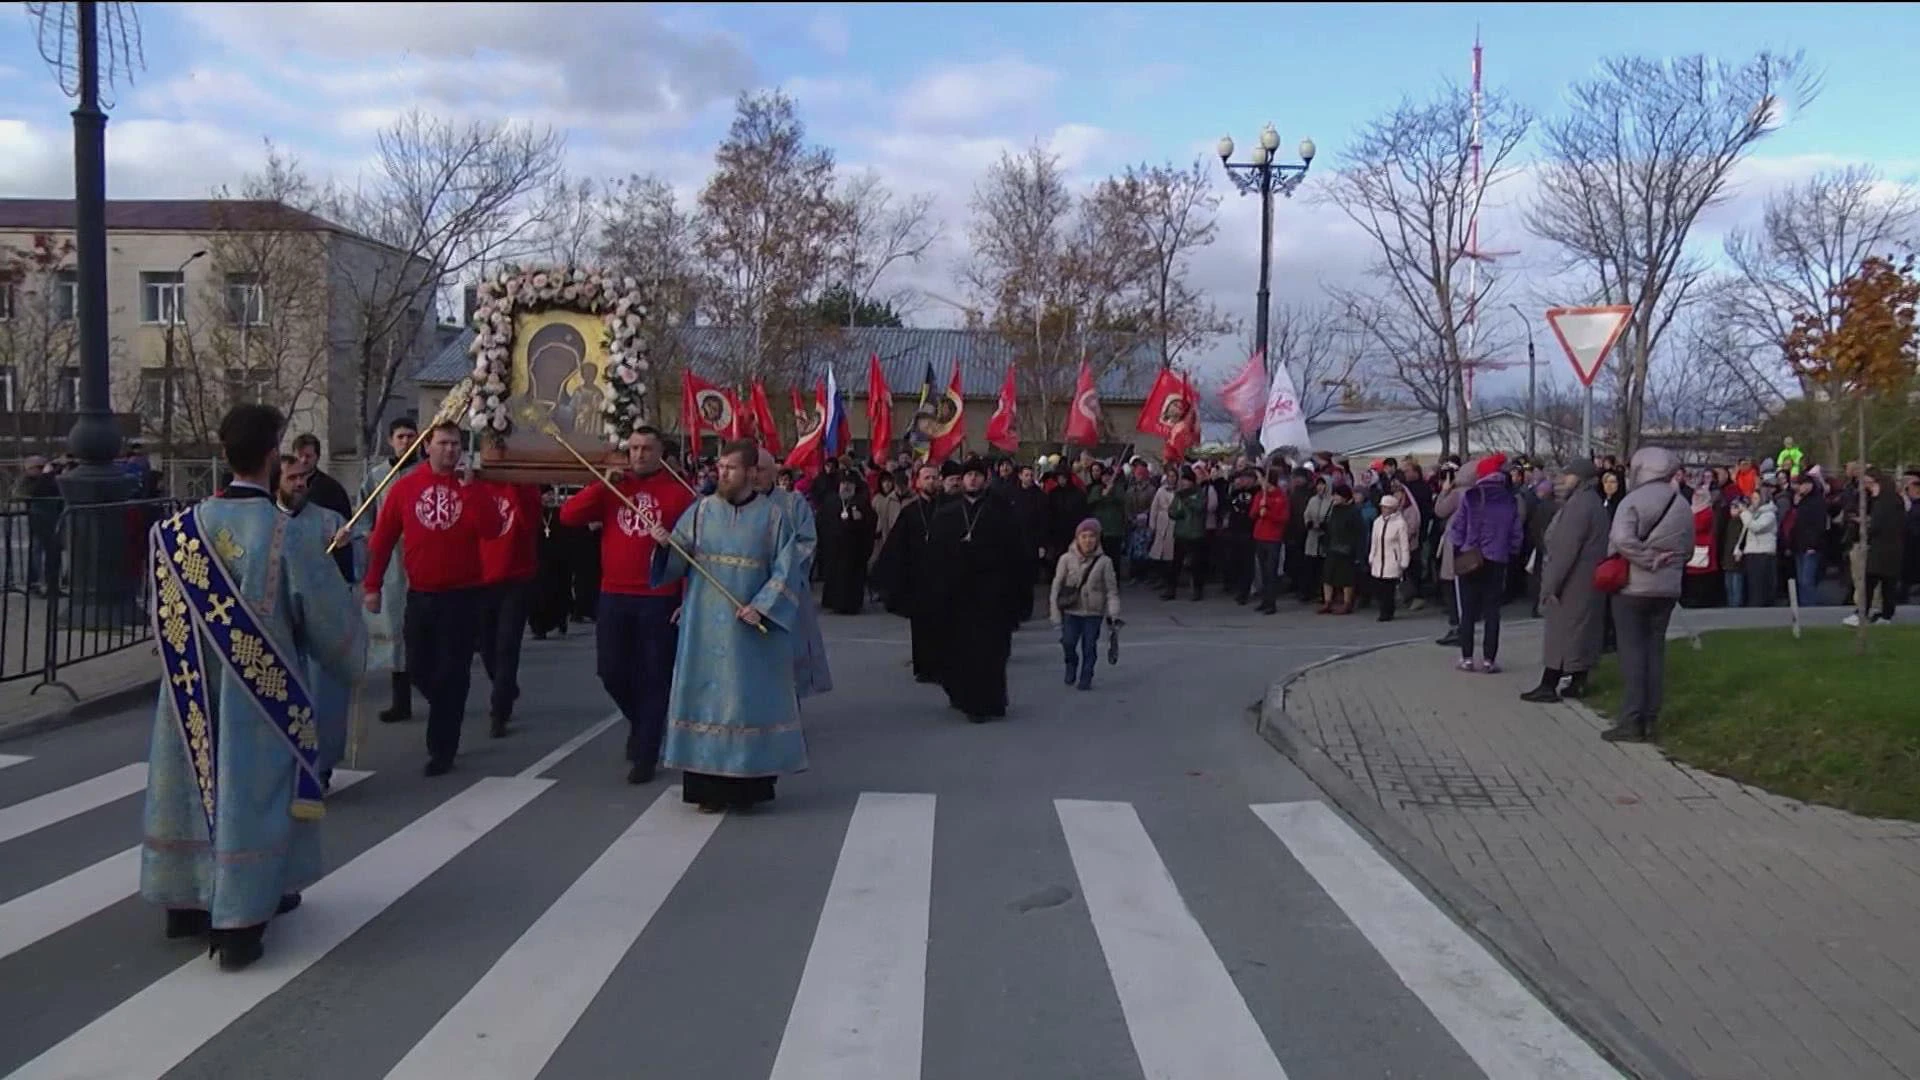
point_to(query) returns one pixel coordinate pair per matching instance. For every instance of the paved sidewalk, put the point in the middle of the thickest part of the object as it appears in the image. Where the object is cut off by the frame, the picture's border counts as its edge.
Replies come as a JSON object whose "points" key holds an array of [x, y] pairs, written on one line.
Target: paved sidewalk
{"points": [[102, 683], [1751, 936]]}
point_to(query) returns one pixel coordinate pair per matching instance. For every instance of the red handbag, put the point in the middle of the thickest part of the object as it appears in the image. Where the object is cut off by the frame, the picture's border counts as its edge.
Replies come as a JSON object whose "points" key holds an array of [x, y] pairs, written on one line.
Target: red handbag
{"points": [[1612, 573]]}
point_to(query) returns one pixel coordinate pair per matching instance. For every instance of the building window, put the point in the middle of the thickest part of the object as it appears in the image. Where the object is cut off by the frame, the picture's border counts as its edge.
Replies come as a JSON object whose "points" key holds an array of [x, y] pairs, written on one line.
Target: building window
{"points": [[163, 296], [6, 300], [7, 403], [153, 397], [246, 300], [66, 295], [249, 386], [67, 393]]}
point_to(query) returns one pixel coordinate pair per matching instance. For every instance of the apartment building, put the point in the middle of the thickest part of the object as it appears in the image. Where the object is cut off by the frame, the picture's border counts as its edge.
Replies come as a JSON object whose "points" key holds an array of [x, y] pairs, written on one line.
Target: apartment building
{"points": [[211, 302]]}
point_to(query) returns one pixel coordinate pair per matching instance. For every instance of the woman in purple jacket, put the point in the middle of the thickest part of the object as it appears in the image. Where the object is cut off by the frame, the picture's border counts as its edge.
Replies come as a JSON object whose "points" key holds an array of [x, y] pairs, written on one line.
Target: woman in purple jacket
{"points": [[1488, 528]]}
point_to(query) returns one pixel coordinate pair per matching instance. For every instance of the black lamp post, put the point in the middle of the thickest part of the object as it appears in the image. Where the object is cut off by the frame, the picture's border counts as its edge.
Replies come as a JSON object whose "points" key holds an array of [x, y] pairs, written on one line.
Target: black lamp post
{"points": [[1265, 177], [102, 590]]}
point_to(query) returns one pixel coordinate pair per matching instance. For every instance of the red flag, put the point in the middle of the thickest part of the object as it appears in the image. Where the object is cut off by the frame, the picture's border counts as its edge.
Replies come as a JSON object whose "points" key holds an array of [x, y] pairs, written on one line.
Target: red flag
{"points": [[1003, 427], [949, 421], [1083, 420], [810, 425], [1246, 396], [879, 411], [1169, 413], [769, 434], [706, 407]]}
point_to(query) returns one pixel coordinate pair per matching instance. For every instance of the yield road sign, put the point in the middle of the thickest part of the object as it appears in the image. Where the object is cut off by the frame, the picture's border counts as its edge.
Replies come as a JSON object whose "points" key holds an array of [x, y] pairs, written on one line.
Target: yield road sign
{"points": [[1587, 334]]}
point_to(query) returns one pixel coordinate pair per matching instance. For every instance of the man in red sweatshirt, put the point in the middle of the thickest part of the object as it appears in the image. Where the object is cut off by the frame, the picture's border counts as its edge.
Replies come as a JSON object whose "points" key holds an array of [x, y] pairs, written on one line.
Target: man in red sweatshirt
{"points": [[507, 564], [443, 517], [1271, 511], [634, 627]]}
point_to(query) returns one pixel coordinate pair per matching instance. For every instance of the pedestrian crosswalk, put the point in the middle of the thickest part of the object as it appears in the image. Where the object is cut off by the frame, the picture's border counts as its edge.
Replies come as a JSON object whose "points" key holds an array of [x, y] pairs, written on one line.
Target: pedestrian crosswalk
{"points": [[10, 760], [857, 1007]]}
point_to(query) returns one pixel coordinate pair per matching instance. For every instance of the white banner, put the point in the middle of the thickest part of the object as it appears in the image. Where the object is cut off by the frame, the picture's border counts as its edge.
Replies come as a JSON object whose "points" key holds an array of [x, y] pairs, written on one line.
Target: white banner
{"points": [[1283, 423]]}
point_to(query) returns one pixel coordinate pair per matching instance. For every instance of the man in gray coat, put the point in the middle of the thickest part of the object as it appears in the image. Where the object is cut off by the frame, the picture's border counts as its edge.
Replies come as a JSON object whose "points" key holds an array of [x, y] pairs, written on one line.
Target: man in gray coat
{"points": [[1653, 531], [1575, 542]]}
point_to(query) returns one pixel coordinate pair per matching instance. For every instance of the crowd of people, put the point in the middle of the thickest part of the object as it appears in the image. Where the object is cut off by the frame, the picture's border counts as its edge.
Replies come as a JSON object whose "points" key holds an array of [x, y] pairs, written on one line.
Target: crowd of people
{"points": [[700, 582]]}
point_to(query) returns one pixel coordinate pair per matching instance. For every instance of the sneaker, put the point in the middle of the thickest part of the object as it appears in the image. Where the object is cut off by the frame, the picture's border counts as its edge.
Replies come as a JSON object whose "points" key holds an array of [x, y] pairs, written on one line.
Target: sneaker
{"points": [[1851, 620], [1488, 667], [1464, 665]]}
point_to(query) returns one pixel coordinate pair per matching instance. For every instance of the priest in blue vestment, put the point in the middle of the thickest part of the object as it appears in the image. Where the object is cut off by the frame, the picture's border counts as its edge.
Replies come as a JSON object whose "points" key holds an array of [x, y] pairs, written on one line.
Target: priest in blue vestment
{"points": [[811, 675], [245, 597], [332, 698], [386, 641], [733, 720]]}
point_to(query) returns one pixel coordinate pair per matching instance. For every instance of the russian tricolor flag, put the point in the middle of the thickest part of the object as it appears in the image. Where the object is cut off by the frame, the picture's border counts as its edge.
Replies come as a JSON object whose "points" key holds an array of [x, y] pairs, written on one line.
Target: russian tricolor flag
{"points": [[839, 430]]}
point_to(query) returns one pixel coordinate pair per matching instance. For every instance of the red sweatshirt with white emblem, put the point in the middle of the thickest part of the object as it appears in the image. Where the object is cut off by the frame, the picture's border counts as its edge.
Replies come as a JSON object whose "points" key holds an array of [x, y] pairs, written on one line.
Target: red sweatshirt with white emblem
{"points": [[443, 524], [514, 553], [626, 551]]}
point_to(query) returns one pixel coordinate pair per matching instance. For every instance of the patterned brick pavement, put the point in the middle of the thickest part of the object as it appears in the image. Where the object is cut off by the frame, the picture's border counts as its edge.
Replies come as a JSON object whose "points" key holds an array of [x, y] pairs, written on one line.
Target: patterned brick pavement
{"points": [[1755, 937]]}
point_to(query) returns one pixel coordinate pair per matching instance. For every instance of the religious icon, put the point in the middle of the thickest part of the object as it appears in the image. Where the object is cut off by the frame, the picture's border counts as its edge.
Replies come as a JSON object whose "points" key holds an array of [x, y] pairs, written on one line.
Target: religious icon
{"points": [[1174, 412]]}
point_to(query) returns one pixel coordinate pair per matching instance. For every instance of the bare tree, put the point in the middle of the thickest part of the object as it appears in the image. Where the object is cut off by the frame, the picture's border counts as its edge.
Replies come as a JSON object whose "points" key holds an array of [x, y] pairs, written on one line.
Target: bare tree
{"points": [[39, 337], [1811, 237], [1321, 351], [878, 231], [568, 230], [1167, 214], [1645, 147], [1021, 269], [1408, 181], [448, 201], [767, 225], [646, 235], [1395, 345]]}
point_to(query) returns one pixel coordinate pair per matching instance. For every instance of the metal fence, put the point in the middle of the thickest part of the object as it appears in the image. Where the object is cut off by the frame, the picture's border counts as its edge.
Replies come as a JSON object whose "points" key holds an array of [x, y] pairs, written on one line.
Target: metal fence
{"points": [[75, 583]]}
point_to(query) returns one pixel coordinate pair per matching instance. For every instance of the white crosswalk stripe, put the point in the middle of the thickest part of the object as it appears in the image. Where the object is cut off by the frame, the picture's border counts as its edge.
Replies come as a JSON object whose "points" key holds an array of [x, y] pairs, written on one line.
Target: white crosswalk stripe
{"points": [[56, 806], [52, 908], [858, 1009], [7, 761], [515, 1017], [156, 1029], [860, 1006], [1506, 1031], [1187, 1019]]}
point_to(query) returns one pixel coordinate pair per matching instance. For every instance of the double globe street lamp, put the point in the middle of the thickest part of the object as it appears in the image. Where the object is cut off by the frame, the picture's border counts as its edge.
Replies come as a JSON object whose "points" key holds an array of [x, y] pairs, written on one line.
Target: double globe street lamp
{"points": [[1263, 176]]}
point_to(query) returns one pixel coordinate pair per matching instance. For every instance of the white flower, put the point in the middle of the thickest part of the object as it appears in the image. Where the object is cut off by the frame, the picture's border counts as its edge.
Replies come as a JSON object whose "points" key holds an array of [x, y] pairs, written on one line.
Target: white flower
{"points": [[629, 284], [539, 281], [500, 422], [571, 292], [495, 386], [639, 388]]}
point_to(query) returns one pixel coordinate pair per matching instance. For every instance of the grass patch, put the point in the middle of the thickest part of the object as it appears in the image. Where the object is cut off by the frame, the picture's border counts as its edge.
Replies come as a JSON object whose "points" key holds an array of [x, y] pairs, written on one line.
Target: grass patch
{"points": [[1803, 718]]}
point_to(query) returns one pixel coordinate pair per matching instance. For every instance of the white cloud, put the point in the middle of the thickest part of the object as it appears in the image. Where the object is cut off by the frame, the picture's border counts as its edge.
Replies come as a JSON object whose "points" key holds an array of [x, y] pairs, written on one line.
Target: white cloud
{"points": [[963, 94], [828, 30]]}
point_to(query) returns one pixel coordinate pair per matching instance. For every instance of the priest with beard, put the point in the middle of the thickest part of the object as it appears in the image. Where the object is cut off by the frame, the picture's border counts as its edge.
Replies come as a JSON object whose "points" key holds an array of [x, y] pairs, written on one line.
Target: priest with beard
{"points": [[908, 574], [846, 523], [985, 577]]}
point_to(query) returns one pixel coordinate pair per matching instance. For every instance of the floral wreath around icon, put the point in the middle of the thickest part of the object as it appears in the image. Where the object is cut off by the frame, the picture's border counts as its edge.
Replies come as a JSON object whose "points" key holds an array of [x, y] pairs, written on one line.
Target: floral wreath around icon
{"points": [[621, 307]]}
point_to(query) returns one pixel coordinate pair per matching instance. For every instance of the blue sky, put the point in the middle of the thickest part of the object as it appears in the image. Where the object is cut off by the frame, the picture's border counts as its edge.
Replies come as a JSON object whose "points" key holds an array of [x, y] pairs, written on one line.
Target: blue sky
{"points": [[926, 94]]}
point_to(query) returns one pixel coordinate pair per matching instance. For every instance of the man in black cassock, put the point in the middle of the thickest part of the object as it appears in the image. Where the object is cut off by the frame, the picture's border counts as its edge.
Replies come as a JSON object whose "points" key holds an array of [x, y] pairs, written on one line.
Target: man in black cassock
{"points": [[907, 574], [553, 577], [846, 525], [984, 568]]}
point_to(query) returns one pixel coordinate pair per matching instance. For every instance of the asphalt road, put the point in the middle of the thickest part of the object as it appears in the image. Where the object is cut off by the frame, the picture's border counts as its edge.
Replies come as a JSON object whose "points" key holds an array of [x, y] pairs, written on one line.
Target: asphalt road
{"points": [[1121, 884]]}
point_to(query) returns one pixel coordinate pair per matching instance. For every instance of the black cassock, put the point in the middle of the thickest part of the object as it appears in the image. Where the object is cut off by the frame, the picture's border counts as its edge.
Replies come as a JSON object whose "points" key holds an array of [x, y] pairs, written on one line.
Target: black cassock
{"points": [[552, 595], [846, 530], [985, 575], [909, 579]]}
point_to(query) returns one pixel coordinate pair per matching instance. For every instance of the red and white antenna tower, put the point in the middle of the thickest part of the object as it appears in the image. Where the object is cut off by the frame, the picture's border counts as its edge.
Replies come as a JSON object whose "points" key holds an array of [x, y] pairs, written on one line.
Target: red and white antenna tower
{"points": [[1469, 362]]}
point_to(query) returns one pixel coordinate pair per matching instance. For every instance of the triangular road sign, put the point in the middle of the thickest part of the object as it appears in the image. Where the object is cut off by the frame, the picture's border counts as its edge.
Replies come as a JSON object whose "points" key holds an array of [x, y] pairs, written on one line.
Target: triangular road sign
{"points": [[1587, 334]]}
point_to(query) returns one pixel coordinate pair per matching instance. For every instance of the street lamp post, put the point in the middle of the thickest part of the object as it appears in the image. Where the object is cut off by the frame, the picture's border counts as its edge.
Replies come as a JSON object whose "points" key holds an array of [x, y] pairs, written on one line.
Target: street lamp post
{"points": [[1532, 423], [167, 369], [1263, 176]]}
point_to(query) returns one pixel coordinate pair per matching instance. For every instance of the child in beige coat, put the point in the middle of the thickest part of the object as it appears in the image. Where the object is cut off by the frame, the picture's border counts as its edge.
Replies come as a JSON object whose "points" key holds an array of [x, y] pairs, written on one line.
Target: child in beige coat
{"points": [[1085, 593]]}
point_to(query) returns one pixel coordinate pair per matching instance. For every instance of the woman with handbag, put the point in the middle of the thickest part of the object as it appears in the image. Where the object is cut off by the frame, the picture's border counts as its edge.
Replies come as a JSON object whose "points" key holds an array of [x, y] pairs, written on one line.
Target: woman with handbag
{"points": [[1085, 594], [1650, 543], [1486, 534]]}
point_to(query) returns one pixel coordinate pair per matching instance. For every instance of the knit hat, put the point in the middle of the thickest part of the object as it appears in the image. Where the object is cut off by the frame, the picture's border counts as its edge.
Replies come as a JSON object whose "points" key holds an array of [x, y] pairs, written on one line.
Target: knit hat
{"points": [[1582, 468], [1489, 465], [1091, 525]]}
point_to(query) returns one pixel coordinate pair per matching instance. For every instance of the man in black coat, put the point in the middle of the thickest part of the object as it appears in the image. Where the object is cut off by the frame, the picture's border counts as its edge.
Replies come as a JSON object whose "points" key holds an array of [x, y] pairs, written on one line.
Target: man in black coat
{"points": [[984, 573], [908, 575]]}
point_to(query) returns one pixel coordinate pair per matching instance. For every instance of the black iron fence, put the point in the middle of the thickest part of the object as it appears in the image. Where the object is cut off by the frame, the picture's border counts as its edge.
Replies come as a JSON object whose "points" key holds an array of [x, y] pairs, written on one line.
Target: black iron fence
{"points": [[75, 583]]}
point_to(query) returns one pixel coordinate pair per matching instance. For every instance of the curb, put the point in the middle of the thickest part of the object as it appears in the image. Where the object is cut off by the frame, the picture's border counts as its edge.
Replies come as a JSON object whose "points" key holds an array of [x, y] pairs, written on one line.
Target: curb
{"points": [[82, 711], [1603, 1026]]}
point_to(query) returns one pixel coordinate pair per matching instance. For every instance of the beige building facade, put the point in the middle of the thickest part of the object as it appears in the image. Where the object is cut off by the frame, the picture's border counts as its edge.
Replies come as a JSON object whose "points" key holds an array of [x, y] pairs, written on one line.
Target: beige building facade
{"points": [[210, 303]]}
